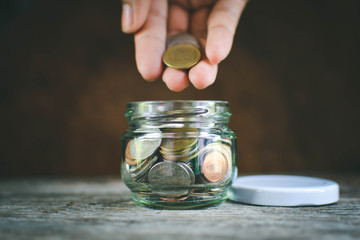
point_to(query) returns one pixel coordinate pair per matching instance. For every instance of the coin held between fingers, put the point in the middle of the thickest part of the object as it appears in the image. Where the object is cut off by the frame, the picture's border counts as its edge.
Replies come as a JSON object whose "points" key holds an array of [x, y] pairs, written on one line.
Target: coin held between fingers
{"points": [[182, 51]]}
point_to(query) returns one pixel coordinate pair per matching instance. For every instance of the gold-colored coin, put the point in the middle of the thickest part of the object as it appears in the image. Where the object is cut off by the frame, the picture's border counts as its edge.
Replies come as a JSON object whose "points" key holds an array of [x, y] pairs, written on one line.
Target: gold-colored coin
{"points": [[182, 56], [178, 145], [170, 156]]}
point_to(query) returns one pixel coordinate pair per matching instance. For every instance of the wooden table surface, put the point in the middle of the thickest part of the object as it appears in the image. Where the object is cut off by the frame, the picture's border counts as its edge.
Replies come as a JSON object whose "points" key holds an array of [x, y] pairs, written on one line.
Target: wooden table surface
{"points": [[100, 208]]}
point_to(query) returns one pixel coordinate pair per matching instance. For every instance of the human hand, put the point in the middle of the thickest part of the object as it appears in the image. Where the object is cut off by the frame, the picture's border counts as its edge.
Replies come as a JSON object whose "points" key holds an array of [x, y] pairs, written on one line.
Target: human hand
{"points": [[212, 22]]}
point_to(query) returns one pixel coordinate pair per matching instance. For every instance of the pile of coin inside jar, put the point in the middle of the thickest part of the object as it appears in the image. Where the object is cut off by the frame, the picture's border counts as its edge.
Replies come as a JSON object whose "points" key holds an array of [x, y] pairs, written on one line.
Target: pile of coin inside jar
{"points": [[175, 168]]}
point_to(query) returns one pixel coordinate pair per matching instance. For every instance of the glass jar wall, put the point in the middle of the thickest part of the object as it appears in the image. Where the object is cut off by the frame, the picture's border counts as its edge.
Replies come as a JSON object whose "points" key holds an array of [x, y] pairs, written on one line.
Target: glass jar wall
{"points": [[178, 154]]}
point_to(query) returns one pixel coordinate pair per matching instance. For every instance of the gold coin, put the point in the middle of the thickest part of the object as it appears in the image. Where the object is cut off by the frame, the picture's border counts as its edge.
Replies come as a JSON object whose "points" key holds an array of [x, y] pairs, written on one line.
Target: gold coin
{"points": [[181, 158], [215, 166], [178, 145], [182, 56]]}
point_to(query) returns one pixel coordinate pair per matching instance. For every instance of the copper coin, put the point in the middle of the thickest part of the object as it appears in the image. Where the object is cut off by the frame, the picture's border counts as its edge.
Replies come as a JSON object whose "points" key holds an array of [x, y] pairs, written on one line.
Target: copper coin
{"points": [[170, 199], [224, 149], [197, 192], [129, 159], [215, 166]]}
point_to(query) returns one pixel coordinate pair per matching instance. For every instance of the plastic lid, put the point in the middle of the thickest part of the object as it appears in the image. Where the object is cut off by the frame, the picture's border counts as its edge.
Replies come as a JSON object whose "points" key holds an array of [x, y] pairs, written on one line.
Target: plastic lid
{"points": [[283, 190]]}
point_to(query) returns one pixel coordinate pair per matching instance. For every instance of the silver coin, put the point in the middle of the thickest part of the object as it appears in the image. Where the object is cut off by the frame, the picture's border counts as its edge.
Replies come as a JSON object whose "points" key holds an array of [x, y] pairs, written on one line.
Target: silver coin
{"points": [[141, 171], [141, 164], [188, 167], [125, 172], [170, 179], [142, 178], [189, 170], [143, 147]]}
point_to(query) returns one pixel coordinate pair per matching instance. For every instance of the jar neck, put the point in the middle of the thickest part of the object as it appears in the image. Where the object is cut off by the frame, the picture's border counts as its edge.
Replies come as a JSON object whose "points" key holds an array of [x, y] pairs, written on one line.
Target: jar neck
{"points": [[178, 114]]}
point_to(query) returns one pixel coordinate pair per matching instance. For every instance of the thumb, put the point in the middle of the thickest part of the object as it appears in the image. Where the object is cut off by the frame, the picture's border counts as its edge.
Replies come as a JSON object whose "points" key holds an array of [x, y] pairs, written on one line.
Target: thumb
{"points": [[134, 14]]}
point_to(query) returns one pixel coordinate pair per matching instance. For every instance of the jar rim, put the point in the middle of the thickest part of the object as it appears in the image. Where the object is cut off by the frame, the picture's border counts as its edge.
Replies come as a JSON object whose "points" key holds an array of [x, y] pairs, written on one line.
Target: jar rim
{"points": [[178, 111], [177, 101]]}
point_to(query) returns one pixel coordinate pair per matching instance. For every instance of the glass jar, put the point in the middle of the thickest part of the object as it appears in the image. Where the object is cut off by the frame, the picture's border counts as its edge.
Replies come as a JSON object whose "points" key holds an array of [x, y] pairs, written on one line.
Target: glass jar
{"points": [[178, 154]]}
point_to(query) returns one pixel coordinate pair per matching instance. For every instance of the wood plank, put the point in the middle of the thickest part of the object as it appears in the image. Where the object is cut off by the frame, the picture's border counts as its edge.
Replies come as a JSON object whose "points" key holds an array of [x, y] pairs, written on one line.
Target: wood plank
{"points": [[101, 208]]}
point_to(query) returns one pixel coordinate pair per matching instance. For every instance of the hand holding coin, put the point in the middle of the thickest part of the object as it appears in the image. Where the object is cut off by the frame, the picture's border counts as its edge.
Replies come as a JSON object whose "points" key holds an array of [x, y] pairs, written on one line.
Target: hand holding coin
{"points": [[212, 23]]}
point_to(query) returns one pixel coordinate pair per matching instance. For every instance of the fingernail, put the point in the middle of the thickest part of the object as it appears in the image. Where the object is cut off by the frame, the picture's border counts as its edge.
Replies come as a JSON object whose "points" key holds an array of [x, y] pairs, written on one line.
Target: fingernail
{"points": [[127, 17]]}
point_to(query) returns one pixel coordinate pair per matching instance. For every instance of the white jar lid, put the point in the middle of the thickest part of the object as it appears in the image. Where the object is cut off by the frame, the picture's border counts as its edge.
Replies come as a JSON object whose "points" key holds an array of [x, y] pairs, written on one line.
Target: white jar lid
{"points": [[284, 190]]}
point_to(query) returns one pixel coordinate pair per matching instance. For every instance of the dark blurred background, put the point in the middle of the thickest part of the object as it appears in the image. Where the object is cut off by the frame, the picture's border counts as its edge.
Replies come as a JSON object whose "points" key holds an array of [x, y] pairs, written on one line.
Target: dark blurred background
{"points": [[67, 72]]}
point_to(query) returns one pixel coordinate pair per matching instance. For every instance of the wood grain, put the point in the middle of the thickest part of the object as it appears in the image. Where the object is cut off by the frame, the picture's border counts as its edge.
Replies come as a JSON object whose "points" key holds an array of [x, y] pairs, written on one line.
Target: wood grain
{"points": [[100, 208]]}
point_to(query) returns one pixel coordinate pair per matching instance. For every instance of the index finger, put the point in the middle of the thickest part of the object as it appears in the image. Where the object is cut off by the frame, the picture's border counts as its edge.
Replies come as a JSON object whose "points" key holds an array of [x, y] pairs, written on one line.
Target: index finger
{"points": [[150, 41], [222, 24]]}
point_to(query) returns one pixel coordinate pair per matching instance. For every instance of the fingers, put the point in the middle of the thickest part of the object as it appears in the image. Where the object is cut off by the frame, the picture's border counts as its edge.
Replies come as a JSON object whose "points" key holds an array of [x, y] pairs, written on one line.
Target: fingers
{"points": [[176, 80], [199, 25], [150, 41], [215, 31], [221, 28], [203, 74], [134, 14], [178, 19]]}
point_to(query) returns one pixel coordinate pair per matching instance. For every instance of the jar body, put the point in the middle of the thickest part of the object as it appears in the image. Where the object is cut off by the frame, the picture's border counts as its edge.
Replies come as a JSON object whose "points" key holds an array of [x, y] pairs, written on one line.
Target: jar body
{"points": [[178, 154]]}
